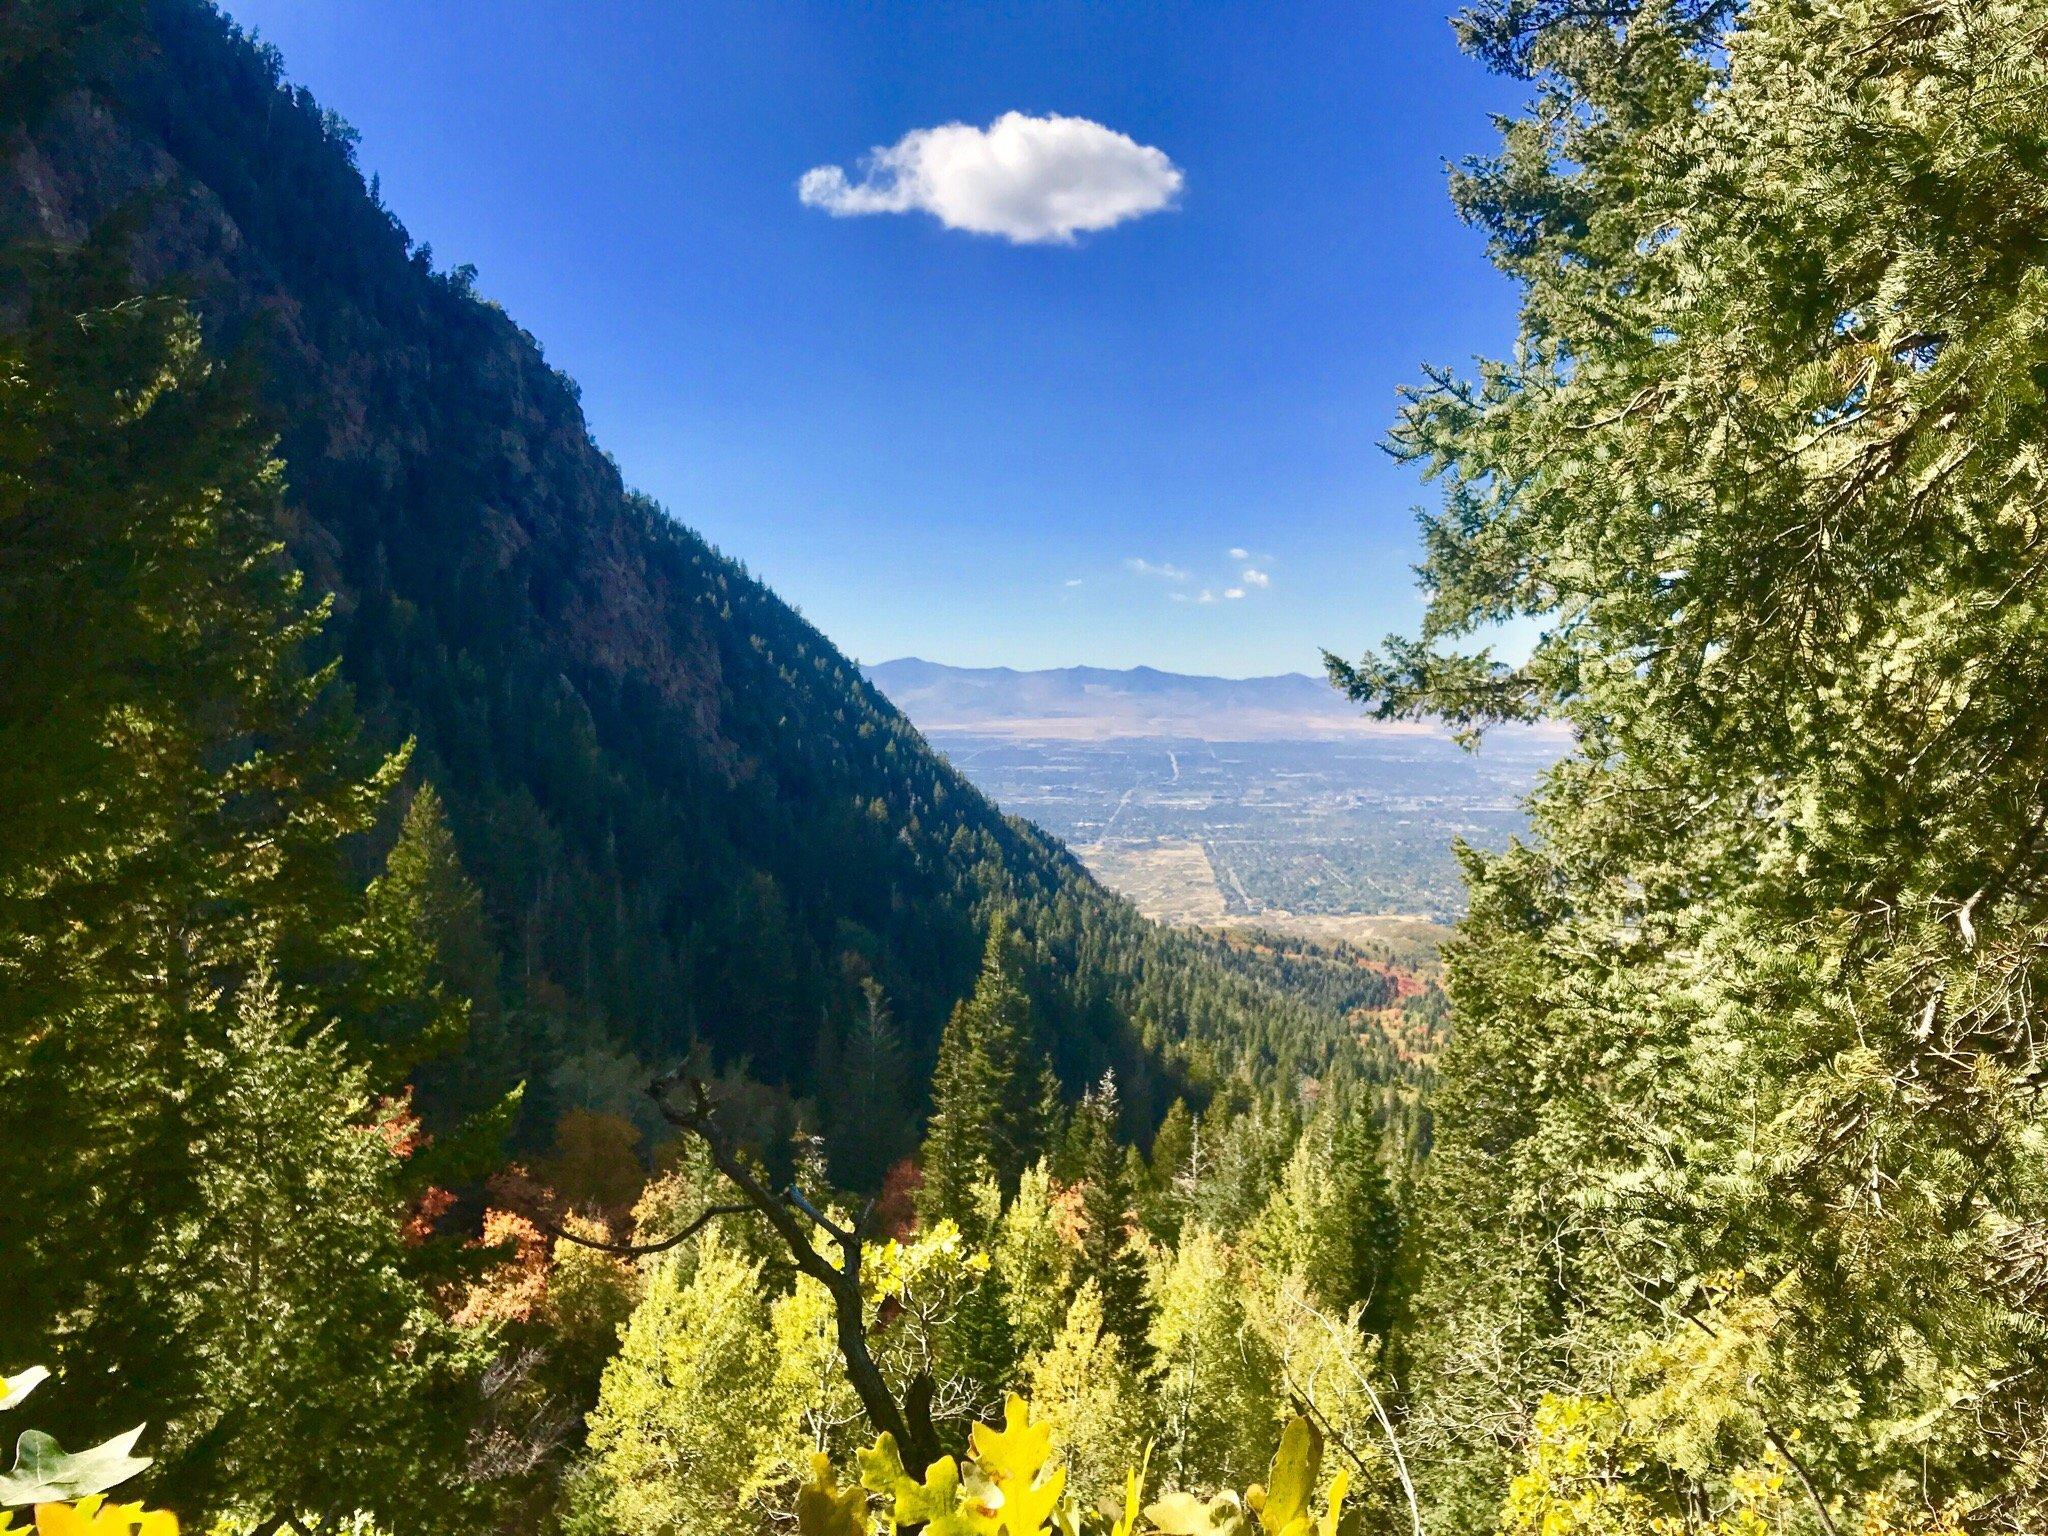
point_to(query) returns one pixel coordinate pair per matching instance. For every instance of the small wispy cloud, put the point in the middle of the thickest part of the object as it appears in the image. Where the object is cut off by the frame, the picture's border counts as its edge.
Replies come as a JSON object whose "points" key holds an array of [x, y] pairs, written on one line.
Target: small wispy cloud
{"points": [[1029, 180], [1182, 580], [1073, 581], [1161, 571]]}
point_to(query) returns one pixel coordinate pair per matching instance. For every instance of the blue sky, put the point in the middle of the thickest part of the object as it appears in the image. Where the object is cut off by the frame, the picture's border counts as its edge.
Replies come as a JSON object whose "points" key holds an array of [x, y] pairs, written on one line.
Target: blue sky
{"points": [[947, 443]]}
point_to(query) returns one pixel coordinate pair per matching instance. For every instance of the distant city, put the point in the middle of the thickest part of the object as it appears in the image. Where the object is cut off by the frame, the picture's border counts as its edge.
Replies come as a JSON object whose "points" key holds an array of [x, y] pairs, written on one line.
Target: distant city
{"points": [[1222, 802]]}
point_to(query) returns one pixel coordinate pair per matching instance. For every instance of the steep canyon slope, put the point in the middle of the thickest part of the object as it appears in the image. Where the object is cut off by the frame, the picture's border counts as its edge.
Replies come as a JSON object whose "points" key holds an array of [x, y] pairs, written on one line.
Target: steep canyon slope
{"points": [[692, 818]]}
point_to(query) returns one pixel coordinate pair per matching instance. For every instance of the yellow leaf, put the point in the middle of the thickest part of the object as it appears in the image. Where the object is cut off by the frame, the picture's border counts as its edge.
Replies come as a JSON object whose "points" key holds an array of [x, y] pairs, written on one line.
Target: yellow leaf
{"points": [[1014, 1454], [822, 1508], [1134, 1490], [937, 1495], [939, 1502], [93, 1516], [1339, 1486], [1295, 1465], [1012, 1457], [1182, 1514], [1027, 1511], [881, 1469]]}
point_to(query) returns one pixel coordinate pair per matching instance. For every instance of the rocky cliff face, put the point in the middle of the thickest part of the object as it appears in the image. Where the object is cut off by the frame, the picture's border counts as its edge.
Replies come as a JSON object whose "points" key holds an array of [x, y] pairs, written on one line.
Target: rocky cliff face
{"points": [[366, 351]]}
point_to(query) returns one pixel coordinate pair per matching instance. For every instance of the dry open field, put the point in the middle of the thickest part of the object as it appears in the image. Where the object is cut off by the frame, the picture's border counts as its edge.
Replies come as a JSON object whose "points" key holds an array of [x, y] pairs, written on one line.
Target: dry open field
{"points": [[1171, 880]]}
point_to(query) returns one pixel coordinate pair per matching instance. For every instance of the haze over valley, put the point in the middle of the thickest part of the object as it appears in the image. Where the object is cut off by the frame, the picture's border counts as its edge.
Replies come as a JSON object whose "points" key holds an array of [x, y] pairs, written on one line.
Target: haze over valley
{"points": [[1267, 801]]}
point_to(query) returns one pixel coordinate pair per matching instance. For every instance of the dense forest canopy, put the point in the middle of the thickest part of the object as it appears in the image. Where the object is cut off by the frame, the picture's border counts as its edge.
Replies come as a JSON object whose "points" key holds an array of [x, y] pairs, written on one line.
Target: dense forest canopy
{"points": [[1740, 1130], [501, 1028]]}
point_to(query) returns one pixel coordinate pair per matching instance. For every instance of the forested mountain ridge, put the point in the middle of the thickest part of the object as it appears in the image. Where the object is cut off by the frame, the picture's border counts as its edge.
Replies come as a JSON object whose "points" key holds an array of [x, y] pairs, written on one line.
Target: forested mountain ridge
{"points": [[690, 815]]}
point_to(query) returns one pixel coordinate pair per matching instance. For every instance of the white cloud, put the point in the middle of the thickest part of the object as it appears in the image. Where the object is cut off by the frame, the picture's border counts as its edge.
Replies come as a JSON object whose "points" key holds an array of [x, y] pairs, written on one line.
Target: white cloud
{"points": [[1073, 581], [1240, 554], [1160, 572], [1031, 180], [1233, 593], [1254, 578]]}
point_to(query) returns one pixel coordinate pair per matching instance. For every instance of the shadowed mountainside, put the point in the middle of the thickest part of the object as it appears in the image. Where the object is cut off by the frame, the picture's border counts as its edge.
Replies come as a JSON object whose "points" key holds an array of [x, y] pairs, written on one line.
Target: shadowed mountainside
{"points": [[692, 818]]}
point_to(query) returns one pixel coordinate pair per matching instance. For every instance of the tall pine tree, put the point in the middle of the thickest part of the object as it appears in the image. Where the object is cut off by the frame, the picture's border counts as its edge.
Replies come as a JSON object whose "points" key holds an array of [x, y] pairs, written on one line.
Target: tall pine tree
{"points": [[987, 1118], [865, 1094], [1108, 1192], [181, 790]]}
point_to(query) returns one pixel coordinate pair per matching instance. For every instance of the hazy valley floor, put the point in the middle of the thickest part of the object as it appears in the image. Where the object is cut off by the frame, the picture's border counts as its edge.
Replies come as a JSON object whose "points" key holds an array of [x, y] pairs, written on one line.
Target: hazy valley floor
{"points": [[1346, 838]]}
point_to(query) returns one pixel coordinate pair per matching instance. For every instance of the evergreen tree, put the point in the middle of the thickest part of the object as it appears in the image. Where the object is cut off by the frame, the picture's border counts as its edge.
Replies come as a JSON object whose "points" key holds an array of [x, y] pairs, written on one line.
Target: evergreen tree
{"points": [[324, 1379], [433, 979], [1107, 1257], [1181, 1163], [866, 1094], [1330, 1218], [1369, 1223], [1245, 1157], [1738, 1120], [985, 1089], [1173, 1146], [977, 1342], [181, 789]]}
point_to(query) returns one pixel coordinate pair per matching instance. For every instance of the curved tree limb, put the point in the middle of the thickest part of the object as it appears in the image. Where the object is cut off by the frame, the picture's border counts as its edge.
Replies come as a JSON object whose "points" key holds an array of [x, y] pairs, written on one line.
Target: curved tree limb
{"points": [[703, 1219], [908, 1422]]}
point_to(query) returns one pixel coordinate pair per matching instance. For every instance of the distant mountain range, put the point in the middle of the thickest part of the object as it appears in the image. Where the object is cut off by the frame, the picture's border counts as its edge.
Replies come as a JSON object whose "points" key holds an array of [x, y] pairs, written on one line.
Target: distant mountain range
{"points": [[1100, 703]]}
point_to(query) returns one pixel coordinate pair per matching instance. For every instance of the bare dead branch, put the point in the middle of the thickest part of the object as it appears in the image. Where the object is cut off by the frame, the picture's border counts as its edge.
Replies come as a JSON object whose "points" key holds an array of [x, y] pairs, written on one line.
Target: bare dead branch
{"points": [[1820, 1507], [1331, 1327]]}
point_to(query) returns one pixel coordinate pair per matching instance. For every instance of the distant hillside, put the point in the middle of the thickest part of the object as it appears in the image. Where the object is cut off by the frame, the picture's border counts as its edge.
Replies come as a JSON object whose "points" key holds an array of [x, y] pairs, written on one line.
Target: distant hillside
{"points": [[692, 818], [1096, 703]]}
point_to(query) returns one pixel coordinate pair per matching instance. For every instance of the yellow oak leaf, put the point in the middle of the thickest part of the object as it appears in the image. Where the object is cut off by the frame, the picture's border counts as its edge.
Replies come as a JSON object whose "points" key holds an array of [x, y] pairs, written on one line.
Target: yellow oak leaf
{"points": [[1295, 1465], [1012, 1458], [1014, 1454], [824, 1509], [881, 1469], [93, 1516]]}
